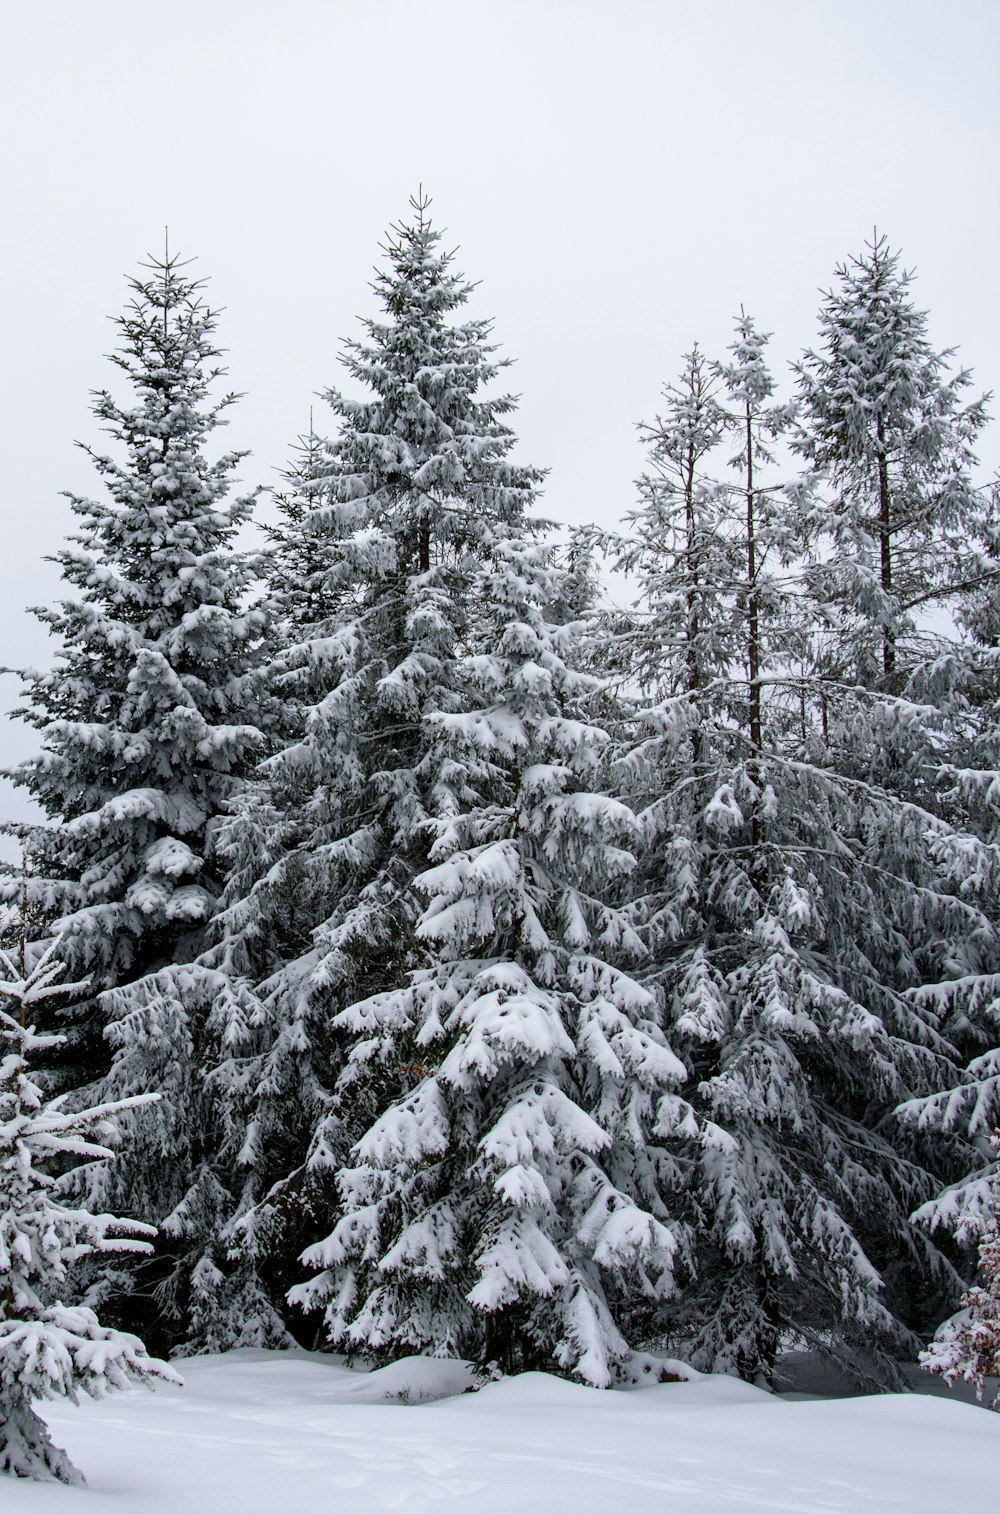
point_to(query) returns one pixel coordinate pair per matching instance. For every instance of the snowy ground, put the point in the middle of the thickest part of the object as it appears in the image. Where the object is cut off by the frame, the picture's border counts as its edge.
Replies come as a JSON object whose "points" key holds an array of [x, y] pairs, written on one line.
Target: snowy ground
{"points": [[267, 1432]]}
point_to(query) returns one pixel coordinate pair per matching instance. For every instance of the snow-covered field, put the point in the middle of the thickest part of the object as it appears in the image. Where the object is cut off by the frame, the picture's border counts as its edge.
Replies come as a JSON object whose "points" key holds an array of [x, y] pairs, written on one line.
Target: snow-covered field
{"points": [[259, 1432]]}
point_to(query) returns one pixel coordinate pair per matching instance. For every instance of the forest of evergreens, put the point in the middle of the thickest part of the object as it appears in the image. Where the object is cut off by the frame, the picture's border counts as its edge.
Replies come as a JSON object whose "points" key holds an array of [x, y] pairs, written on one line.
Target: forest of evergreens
{"points": [[528, 970]]}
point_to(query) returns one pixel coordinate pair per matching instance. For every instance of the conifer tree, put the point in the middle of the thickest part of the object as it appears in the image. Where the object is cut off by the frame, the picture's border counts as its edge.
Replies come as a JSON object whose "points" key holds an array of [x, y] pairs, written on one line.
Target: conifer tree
{"points": [[410, 495], [197, 1149], [146, 719], [445, 721], [508, 1203], [49, 1349], [885, 424], [899, 531], [784, 939], [296, 564], [150, 722]]}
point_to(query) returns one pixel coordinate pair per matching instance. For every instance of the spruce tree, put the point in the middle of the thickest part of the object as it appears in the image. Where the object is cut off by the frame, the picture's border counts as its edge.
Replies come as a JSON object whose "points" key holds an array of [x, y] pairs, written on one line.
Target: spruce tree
{"points": [[883, 421], [49, 1348], [150, 722], [295, 565], [508, 1204], [409, 496], [444, 718], [903, 548], [197, 1031], [784, 931], [146, 719]]}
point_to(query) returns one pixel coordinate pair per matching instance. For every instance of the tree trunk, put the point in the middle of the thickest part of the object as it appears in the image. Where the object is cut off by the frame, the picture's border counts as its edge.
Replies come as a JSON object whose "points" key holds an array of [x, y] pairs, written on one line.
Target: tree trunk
{"points": [[691, 554], [885, 544], [753, 657]]}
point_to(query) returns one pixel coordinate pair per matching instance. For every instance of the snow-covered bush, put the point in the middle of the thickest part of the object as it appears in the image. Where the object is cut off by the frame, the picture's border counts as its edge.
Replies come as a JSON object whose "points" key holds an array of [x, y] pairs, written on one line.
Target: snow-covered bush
{"points": [[46, 1348], [968, 1344]]}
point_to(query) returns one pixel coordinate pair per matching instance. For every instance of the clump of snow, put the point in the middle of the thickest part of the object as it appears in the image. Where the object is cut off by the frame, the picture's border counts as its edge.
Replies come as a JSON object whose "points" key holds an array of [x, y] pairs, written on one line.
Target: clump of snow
{"points": [[411, 1380]]}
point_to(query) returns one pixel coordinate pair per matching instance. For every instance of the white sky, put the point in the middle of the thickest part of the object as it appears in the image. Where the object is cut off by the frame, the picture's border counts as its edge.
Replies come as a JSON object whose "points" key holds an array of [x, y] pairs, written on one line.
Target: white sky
{"points": [[619, 177]]}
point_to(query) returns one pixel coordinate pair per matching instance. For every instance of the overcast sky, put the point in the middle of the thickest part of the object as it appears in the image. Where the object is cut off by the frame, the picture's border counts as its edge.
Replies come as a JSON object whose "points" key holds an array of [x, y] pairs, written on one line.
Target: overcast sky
{"points": [[619, 177]]}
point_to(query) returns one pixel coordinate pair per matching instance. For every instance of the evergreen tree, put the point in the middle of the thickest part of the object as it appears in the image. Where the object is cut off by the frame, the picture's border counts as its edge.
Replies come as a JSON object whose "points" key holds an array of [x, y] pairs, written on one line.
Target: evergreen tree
{"points": [[900, 531], [48, 1349], [197, 1031], [884, 423], [296, 564], [416, 492], [508, 1203], [146, 718], [150, 722], [783, 930]]}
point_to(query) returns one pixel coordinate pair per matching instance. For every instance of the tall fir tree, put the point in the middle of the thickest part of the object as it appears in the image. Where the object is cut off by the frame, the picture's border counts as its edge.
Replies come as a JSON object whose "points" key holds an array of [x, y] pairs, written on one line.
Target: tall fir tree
{"points": [[508, 1202], [146, 719], [903, 548], [412, 769], [883, 421], [150, 722], [411, 494], [784, 926], [899, 544]]}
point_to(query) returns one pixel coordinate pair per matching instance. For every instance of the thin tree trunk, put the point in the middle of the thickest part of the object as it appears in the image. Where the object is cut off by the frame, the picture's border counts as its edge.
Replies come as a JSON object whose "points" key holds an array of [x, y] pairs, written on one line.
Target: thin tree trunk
{"points": [[694, 679], [885, 544], [753, 642]]}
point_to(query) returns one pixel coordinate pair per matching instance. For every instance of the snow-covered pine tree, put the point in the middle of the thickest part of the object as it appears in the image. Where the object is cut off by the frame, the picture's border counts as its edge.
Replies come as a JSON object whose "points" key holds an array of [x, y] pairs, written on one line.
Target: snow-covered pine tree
{"points": [[894, 511], [416, 491], [296, 564], [903, 546], [884, 423], [968, 1344], [146, 719], [779, 943], [150, 721], [49, 1349], [508, 1203]]}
